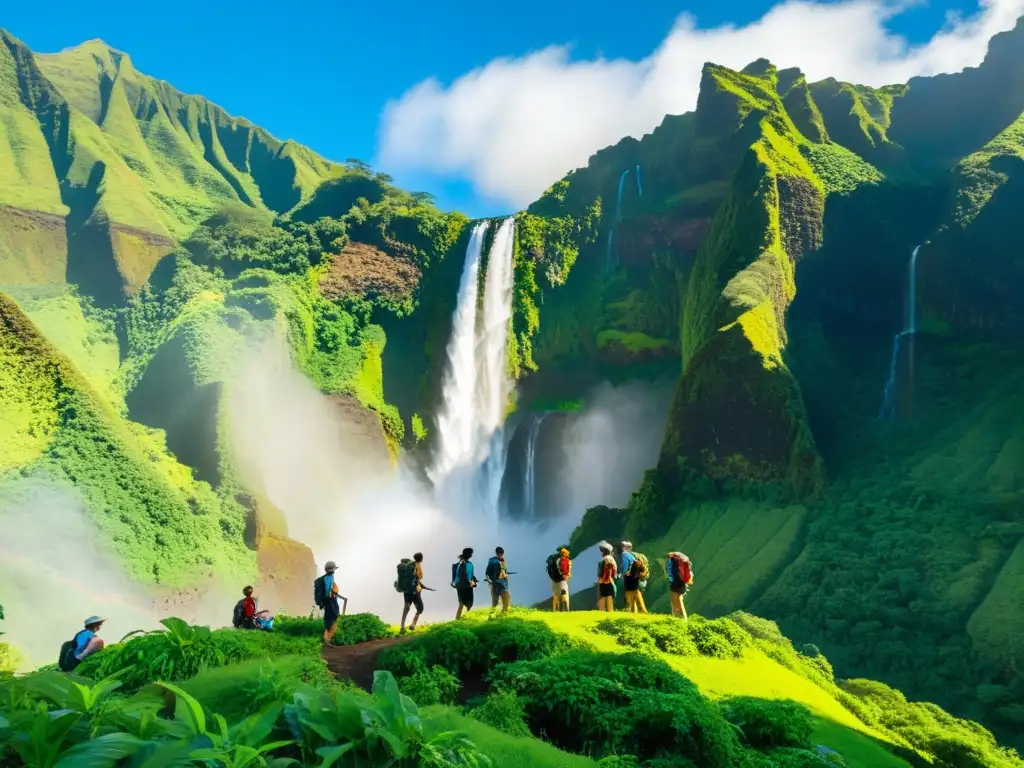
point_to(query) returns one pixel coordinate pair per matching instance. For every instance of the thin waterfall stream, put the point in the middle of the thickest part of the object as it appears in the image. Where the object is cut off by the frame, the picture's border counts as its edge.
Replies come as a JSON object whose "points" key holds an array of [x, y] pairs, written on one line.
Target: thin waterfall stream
{"points": [[889, 405]]}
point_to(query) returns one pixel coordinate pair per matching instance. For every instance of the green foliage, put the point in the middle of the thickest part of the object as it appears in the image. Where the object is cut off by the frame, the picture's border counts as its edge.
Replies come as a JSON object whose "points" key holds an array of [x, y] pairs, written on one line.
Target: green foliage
{"points": [[604, 704], [474, 648], [419, 429], [503, 710], [351, 629], [352, 729], [714, 638], [435, 685], [767, 724]]}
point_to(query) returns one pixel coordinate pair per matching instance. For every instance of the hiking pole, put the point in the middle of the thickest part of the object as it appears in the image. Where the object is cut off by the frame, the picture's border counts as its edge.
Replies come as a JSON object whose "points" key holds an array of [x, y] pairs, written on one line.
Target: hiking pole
{"points": [[344, 604]]}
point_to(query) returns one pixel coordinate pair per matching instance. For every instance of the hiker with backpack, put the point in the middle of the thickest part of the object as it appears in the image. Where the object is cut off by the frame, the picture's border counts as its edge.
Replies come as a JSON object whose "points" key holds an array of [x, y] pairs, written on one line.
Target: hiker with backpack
{"points": [[635, 570], [497, 576], [464, 581], [607, 570], [410, 584], [244, 616], [325, 595], [559, 567], [680, 579], [85, 643]]}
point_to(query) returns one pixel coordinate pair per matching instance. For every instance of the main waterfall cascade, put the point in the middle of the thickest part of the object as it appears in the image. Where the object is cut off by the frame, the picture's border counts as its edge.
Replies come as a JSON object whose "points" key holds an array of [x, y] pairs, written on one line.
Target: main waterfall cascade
{"points": [[470, 458], [530, 470], [889, 405], [639, 186]]}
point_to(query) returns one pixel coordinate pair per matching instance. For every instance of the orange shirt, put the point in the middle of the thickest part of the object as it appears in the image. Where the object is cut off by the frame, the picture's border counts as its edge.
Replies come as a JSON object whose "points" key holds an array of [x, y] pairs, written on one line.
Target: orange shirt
{"points": [[609, 570]]}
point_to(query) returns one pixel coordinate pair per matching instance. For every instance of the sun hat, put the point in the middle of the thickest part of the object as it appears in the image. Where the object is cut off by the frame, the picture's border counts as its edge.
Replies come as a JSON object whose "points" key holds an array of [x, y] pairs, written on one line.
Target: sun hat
{"points": [[93, 620], [330, 566]]}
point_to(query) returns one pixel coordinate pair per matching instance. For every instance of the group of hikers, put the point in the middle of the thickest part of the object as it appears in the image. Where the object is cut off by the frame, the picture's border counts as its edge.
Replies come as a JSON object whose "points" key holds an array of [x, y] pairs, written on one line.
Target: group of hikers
{"points": [[632, 568]]}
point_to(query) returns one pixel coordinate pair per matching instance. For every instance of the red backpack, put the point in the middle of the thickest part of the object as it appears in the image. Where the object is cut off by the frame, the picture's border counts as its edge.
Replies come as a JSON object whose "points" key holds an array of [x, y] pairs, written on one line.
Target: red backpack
{"points": [[684, 571]]}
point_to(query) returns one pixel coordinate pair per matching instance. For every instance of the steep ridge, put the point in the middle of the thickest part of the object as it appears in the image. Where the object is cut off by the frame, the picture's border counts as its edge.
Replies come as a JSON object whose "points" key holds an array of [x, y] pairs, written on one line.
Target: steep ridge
{"points": [[137, 167], [787, 305]]}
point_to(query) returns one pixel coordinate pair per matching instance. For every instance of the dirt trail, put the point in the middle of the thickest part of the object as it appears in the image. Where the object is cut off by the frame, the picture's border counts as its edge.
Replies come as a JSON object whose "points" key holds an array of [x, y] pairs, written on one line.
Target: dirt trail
{"points": [[357, 662]]}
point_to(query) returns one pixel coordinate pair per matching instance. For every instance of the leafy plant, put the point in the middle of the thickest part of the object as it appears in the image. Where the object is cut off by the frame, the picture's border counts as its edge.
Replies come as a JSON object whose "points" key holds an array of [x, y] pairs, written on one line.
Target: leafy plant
{"points": [[766, 724], [505, 711]]}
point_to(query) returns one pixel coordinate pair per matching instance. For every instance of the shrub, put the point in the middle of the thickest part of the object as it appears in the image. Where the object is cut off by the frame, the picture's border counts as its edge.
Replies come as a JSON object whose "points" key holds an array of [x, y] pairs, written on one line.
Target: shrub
{"points": [[435, 685], [601, 704], [673, 636], [359, 628], [178, 653], [718, 638], [505, 711], [768, 723]]}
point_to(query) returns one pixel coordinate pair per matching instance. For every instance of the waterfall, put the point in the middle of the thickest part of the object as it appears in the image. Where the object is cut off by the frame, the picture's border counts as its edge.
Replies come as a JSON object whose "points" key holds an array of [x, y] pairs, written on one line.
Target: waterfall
{"points": [[529, 470], [470, 459], [889, 404], [639, 186], [615, 220], [455, 421], [494, 385]]}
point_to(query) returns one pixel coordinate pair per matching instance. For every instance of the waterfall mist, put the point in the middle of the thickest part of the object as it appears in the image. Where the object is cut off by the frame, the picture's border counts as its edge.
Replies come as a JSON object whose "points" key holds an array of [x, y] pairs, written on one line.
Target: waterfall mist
{"points": [[57, 571]]}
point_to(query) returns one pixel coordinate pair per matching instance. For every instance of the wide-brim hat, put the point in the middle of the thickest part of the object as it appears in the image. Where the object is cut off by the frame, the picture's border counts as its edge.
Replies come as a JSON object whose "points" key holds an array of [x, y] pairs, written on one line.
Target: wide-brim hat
{"points": [[93, 620], [330, 566]]}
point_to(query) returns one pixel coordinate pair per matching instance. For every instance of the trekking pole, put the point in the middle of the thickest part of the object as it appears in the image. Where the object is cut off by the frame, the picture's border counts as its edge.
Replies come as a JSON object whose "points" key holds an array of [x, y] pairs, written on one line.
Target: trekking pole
{"points": [[344, 604]]}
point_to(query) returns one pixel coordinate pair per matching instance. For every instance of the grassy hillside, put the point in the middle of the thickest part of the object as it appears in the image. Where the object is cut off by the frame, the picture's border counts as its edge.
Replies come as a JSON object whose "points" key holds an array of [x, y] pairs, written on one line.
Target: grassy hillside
{"points": [[530, 689]]}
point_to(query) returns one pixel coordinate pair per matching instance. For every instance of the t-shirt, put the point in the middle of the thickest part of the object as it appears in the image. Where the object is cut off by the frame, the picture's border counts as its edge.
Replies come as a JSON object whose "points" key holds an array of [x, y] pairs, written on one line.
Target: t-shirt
{"points": [[565, 567], [331, 589], [498, 570], [419, 577], [628, 558], [248, 607], [82, 640], [466, 567], [608, 570]]}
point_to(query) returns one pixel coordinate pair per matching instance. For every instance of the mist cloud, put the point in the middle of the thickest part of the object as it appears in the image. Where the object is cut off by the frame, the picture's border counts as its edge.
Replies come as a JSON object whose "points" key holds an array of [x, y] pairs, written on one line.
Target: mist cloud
{"points": [[516, 125]]}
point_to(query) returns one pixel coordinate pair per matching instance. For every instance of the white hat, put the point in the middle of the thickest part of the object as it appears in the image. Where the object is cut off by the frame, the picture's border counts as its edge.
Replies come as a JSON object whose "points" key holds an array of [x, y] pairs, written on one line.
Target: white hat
{"points": [[94, 620]]}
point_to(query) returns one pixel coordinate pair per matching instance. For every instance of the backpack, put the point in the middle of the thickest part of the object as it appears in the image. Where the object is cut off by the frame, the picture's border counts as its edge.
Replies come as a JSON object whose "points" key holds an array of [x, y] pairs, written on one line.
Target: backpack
{"points": [[459, 577], [239, 614], [554, 572], [641, 567], [66, 661], [493, 569], [684, 571], [406, 582], [319, 593]]}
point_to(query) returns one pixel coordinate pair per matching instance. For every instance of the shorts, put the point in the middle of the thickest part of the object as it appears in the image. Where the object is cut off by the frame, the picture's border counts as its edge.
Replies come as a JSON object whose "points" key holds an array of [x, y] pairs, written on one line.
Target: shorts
{"points": [[631, 583], [559, 588], [679, 588], [606, 590], [498, 588], [331, 614], [416, 599], [465, 596]]}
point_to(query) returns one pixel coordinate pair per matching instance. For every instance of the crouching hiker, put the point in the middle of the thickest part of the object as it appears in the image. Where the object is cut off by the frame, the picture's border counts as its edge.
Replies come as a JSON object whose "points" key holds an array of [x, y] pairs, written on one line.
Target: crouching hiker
{"points": [[325, 595], [83, 645], [244, 616], [680, 579]]}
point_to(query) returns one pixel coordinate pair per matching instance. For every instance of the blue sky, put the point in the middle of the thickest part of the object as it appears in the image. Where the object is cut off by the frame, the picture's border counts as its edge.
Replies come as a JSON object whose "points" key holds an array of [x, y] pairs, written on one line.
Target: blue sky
{"points": [[322, 72]]}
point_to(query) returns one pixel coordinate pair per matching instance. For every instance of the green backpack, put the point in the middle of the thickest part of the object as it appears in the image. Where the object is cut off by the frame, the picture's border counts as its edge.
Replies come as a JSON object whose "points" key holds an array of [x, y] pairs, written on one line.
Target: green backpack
{"points": [[406, 583]]}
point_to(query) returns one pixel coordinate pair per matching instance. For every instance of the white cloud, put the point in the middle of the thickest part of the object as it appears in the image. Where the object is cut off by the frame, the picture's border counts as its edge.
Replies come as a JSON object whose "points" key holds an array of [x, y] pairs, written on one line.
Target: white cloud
{"points": [[514, 126]]}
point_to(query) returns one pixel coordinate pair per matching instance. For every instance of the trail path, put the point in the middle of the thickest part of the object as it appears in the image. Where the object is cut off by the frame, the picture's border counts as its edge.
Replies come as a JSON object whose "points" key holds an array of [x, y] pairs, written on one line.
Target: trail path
{"points": [[357, 662]]}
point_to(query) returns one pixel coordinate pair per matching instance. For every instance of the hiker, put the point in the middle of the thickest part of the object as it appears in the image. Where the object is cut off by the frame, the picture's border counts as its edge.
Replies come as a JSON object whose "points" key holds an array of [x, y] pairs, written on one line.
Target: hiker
{"points": [[410, 584], [635, 570], [244, 616], [606, 573], [560, 571], [83, 645], [464, 581], [680, 578], [497, 576], [325, 595]]}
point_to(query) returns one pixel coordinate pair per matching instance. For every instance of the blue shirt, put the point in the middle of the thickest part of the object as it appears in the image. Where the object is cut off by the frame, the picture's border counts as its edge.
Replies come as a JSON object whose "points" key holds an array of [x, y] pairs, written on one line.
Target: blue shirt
{"points": [[470, 571], [82, 640], [628, 558], [329, 586]]}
